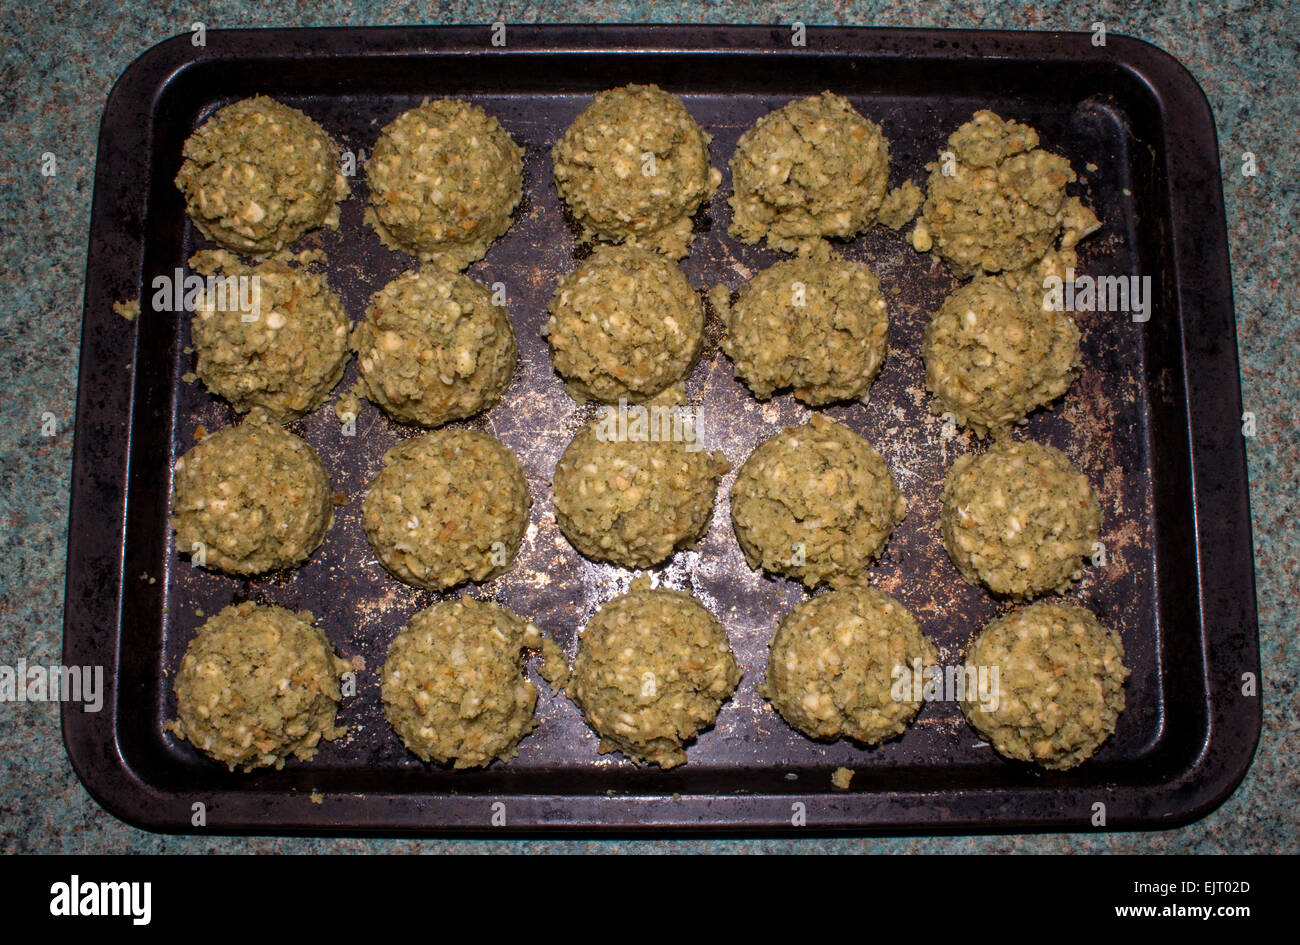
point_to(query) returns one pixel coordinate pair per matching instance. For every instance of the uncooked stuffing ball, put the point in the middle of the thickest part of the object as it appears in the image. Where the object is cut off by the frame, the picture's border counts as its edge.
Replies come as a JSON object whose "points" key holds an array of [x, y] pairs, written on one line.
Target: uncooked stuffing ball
{"points": [[996, 202], [1059, 686], [257, 175], [653, 668], [1019, 519], [625, 324], [250, 498], [991, 358], [633, 167], [444, 180], [272, 336], [453, 683], [634, 500], [256, 686], [433, 347], [447, 507], [843, 665], [815, 503], [817, 326], [815, 168]]}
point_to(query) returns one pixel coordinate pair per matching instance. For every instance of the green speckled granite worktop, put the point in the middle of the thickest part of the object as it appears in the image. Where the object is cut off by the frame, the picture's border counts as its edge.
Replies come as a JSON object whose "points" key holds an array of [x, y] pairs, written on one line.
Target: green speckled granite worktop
{"points": [[57, 63]]}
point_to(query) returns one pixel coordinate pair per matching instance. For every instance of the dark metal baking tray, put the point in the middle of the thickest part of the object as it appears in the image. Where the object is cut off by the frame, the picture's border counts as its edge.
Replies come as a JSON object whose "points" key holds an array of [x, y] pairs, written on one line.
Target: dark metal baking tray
{"points": [[1153, 421]]}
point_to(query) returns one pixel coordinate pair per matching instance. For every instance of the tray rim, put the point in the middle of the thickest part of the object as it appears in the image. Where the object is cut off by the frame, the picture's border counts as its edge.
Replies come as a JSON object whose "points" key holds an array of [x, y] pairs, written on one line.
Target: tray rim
{"points": [[1224, 550]]}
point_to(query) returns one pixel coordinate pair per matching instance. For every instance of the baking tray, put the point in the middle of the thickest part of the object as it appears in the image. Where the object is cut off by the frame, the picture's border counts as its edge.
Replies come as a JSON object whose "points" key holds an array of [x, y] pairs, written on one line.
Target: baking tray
{"points": [[1153, 421]]}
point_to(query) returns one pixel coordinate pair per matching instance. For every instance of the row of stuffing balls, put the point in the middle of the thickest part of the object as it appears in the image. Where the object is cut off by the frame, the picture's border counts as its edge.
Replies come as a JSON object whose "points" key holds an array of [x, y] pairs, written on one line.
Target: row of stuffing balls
{"points": [[815, 503]]}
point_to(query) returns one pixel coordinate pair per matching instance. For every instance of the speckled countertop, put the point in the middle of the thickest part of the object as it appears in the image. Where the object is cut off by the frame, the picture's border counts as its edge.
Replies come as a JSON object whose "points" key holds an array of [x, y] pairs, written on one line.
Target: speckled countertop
{"points": [[57, 63]]}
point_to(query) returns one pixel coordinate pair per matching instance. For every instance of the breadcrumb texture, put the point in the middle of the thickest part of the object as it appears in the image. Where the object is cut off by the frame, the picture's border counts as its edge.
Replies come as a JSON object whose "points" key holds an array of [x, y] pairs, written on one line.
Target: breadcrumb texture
{"points": [[634, 502], [634, 167], [815, 503], [554, 666], [653, 669], [626, 324], [818, 326], [284, 352], [258, 685], [1060, 684], [900, 205], [444, 180], [814, 168], [1019, 519], [252, 497], [434, 348], [834, 663], [453, 684], [996, 202], [257, 175], [991, 358], [447, 507]]}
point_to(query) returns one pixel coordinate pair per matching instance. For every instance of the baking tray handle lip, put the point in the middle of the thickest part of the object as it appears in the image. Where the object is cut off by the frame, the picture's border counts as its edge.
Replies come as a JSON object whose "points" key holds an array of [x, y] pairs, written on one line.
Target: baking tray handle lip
{"points": [[123, 791], [1211, 378], [100, 492], [1225, 571], [141, 805], [150, 72], [111, 782], [1159, 67], [175, 53], [1208, 780]]}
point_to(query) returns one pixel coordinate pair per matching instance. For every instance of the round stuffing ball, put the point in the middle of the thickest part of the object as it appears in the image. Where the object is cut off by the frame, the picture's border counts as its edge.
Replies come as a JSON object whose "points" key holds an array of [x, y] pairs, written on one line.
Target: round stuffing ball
{"points": [[814, 168], [817, 326], [444, 179], [257, 175], [250, 499], [633, 167], [634, 496], [434, 348], [256, 686], [625, 324], [447, 507], [1059, 686], [815, 503], [270, 336], [1019, 519], [991, 359], [652, 671], [453, 683], [842, 665], [996, 202]]}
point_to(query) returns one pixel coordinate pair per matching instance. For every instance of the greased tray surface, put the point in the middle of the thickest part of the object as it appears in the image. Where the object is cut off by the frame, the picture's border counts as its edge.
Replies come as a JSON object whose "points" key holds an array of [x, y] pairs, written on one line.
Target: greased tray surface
{"points": [[1152, 421]]}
